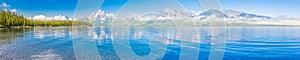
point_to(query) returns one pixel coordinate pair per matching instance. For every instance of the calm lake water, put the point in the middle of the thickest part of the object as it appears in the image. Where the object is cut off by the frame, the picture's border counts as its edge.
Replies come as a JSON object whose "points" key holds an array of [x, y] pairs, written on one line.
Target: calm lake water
{"points": [[57, 43]]}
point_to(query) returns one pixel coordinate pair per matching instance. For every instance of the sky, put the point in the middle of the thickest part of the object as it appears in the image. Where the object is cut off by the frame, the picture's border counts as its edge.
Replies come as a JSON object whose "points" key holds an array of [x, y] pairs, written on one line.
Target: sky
{"points": [[30, 8]]}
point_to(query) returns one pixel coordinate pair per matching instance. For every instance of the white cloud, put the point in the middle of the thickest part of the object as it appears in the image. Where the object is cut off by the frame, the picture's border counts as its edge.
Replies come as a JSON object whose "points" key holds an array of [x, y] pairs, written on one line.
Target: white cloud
{"points": [[58, 17], [39, 17], [4, 4], [13, 10]]}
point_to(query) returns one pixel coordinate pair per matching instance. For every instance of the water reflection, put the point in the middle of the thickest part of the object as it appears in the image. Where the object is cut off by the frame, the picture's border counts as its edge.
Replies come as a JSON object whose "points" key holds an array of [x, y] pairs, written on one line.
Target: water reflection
{"points": [[8, 36], [58, 42], [47, 55], [39, 43]]}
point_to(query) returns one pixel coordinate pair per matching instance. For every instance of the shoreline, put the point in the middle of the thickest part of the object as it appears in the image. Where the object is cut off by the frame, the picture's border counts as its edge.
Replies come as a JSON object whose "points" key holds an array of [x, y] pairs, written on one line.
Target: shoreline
{"points": [[2, 27]]}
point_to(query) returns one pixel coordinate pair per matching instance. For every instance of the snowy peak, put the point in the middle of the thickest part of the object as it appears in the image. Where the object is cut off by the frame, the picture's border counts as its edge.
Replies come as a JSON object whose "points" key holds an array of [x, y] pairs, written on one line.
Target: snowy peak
{"points": [[215, 12], [97, 17], [100, 14], [246, 15], [232, 14], [202, 15], [169, 12]]}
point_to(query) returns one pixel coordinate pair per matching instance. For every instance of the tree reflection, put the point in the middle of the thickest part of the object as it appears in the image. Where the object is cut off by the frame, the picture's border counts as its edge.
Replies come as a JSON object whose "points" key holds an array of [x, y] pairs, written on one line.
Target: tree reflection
{"points": [[8, 36]]}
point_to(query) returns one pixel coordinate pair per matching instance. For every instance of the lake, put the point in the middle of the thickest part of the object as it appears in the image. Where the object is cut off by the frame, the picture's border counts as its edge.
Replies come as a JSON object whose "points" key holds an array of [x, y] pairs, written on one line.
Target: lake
{"points": [[160, 43]]}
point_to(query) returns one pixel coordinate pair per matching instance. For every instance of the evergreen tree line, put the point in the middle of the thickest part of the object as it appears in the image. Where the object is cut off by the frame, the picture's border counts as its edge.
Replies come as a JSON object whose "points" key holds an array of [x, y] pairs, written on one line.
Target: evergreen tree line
{"points": [[8, 19]]}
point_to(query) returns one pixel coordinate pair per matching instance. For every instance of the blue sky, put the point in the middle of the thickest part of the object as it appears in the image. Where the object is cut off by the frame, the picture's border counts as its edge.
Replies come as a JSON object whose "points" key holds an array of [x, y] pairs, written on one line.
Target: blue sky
{"points": [[31, 8]]}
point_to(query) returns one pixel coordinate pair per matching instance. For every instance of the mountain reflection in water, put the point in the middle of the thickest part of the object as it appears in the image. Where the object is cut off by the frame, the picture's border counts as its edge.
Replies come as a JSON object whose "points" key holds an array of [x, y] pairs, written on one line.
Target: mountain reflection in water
{"points": [[252, 42]]}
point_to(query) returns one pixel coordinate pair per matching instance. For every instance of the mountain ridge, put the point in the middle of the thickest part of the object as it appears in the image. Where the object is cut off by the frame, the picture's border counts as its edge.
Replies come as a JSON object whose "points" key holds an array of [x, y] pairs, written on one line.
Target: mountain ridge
{"points": [[101, 16]]}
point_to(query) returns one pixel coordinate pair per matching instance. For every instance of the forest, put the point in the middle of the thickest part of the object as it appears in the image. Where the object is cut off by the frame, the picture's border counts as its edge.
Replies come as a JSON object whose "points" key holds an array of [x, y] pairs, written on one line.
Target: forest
{"points": [[11, 19]]}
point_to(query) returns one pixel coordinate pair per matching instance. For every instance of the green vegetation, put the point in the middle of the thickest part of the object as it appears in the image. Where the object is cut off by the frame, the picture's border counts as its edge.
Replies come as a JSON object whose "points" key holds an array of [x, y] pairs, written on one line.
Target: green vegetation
{"points": [[10, 19]]}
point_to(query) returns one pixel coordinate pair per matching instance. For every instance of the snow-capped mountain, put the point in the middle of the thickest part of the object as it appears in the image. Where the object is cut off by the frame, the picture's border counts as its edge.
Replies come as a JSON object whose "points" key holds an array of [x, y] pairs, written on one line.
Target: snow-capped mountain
{"points": [[101, 17], [165, 15], [202, 15], [174, 15], [229, 14]]}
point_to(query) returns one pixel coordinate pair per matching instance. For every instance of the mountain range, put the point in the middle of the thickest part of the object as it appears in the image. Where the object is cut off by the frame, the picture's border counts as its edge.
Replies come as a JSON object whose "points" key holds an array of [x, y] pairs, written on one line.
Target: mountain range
{"points": [[174, 14], [102, 17], [227, 14]]}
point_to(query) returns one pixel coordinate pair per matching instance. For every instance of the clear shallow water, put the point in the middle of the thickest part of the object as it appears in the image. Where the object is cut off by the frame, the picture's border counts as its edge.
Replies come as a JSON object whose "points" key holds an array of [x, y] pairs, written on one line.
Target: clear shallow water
{"points": [[244, 43]]}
